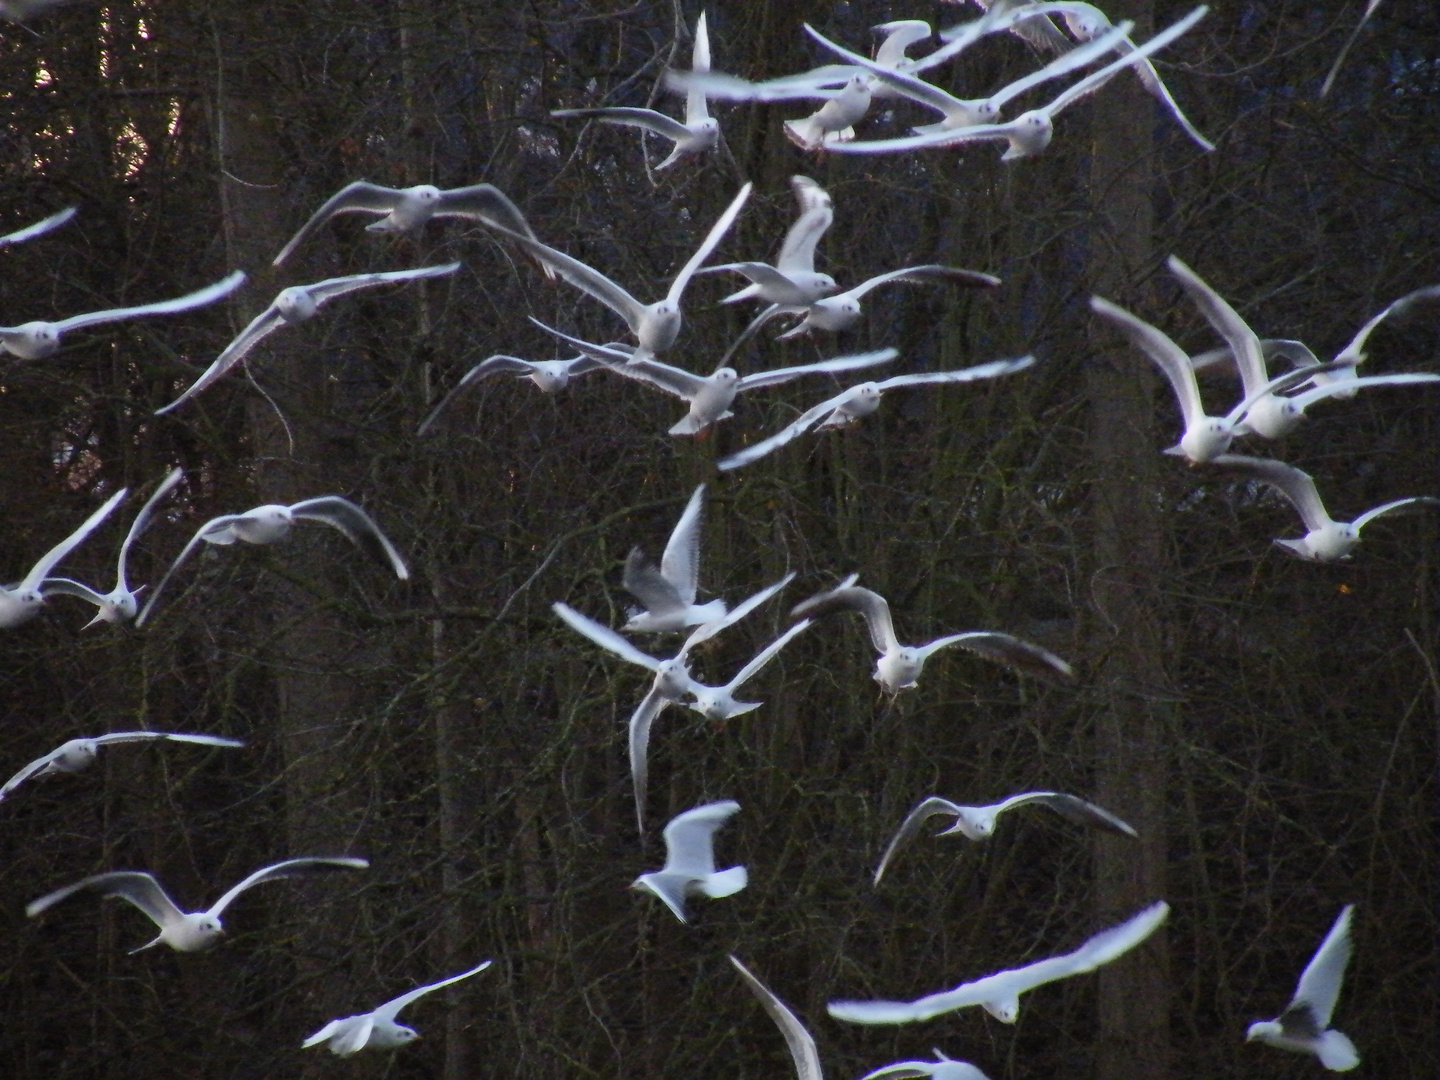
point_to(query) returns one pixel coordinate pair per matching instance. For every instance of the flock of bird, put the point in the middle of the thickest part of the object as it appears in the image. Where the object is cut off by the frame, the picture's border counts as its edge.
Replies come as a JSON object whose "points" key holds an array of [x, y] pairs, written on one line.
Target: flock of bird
{"points": [[668, 594]]}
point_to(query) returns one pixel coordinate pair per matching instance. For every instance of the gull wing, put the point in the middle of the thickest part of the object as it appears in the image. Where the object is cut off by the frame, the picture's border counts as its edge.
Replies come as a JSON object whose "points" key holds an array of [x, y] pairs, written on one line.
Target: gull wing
{"points": [[1167, 356], [168, 736], [911, 826], [39, 765], [326, 1032], [1304, 400], [673, 380], [815, 85], [361, 196], [705, 631], [258, 328], [604, 637], [1072, 808], [960, 375], [696, 109], [924, 275], [899, 36], [1072, 59], [54, 221], [199, 298], [1004, 649], [65, 587], [902, 1070], [138, 888], [648, 119], [1096, 79], [800, 1042], [142, 521], [954, 137], [764, 656], [585, 278], [644, 581], [499, 364], [1320, 981], [817, 212], [41, 570], [680, 563], [787, 434], [1345, 49], [755, 324], [202, 535], [485, 203], [1295, 484], [1354, 352], [689, 838], [903, 82], [1409, 505], [391, 1008], [1244, 342], [840, 363], [347, 1036], [286, 869], [355, 523], [641, 721], [330, 288], [712, 239], [868, 603]]}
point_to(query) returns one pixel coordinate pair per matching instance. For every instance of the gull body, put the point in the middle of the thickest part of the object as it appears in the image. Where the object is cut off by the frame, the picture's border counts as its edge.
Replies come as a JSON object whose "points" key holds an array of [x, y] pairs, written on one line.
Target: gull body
{"points": [[273, 522], [39, 228], [79, 754], [793, 279], [690, 860], [718, 702], [405, 209], [657, 325], [834, 121], [899, 666], [551, 376], [668, 591], [944, 1068], [698, 133], [185, 931], [1304, 1026], [799, 1041], [861, 400], [21, 602], [296, 304], [842, 311], [1326, 540], [999, 994], [39, 339], [377, 1029], [120, 603], [978, 822]]}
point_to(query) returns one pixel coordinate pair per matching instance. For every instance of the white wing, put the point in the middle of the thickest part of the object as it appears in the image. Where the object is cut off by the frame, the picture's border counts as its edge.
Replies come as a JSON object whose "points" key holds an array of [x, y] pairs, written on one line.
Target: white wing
{"points": [[1399, 505], [923, 275], [604, 637], [789, 433], [138, 888], [41, 570], [648, 119], [673, 380], [841, 363], [391, 1008], [1320, 981], [763, 657], [199, 298], [712, 238], [870, 604], [979, 371], [356, 197], [499, 364], [37, 766], [641, 721], [1004, 649], [1167, 356], [705, 631], [1295, 484], [911, 826], [355, 523], [1071, 808], [142, 520], [54, 221], [1354, 352], [1095, 80], [797, 253], [1244, 342], [201, 534], [696, 109], [257, 329], [585, 278], [288, 868], [330, 288], [689, 838], [1064, 64], [169, 736], [800, 1042], [680, 564]]}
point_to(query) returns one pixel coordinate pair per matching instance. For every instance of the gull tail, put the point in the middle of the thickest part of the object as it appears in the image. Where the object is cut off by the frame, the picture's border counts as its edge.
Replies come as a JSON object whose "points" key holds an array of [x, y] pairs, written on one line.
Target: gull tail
{"points": [[1336, 1052], [156, 941], [1297, 548], [728, 883]]}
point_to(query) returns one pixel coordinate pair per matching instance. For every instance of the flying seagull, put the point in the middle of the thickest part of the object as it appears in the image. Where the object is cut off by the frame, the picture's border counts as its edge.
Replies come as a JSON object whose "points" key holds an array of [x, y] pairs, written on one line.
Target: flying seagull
{"points": [[79, 754], [690, 860], [861, 400], [1327, 539], [293, 305], [272, 522], [800, 1042], [40, 228], [377, 1029], [21, 602], [1304, 1026], [668, 591], [119, 605], [700, 131], [185, 931], [406, 209], [657, 325], [718, 702], [978, 822], [551, 376], [945, 1068], [793, 279], [999, 994], [899, 665], [39, 339]]}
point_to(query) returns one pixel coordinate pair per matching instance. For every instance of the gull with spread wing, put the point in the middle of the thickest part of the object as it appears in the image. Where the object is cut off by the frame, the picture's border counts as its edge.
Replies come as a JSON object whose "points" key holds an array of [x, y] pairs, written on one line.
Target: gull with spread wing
{"points": [[185, 931], [1327, 539], [119, 605], [78, 754], [40, 228], [672, 681], [406, 209], [861, 400], [690, 860], [999, 994], [700, 131], [978, 822], [899, 665], [668, 591], [718, 702], [1370, 7], [792, 280], [1030, 132], [1205, 437], [944, 1068], [21, 602], [37, 340], [1304, 1026], [799, 1041], [657, 325], [294, 305], [377, 1029], [273, 522], [551, 376]]}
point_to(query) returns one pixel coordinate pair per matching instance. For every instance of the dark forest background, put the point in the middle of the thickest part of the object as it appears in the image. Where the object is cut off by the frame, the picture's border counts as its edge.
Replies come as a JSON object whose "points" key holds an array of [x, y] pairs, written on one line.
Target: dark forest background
{"points": [[1268, 725]]}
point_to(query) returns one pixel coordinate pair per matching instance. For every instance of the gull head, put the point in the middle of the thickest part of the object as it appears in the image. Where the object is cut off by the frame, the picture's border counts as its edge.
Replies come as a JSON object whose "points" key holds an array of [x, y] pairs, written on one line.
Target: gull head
{"points": [[1031, 134], [660, 327], [864, 402], [415, 206], [75, 755], [1206, 440], [195, 932], [897, 670], [119, 607], [1332, 541], [972, 826], [551, 376], [1264, 1030], [264, 524], [1006, 1010], [392, 1035], [295, 304], [33, 340], [672, 678], [835, 312], [1274, 416], [707, 131]]}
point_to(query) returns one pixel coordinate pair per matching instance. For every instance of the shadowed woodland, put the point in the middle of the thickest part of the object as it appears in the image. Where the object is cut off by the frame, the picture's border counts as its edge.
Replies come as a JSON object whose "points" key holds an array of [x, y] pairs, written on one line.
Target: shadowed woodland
{"points": [[1267, 724]]}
